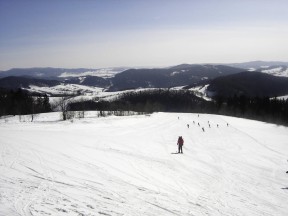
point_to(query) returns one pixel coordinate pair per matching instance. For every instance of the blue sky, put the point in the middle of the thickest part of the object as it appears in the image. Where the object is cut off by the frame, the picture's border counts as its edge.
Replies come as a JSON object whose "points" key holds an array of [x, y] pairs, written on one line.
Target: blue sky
{"points": [[110, 33]]}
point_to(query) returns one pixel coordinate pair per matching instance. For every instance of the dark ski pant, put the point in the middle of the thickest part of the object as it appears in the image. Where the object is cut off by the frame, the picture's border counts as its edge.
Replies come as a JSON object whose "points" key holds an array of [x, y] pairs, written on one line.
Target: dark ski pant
{"points": [[180, 148]]}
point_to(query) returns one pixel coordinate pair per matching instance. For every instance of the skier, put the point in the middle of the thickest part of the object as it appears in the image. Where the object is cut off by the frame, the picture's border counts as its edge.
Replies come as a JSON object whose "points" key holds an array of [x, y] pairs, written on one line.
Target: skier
{"points": [[180, 143], [187, 125], [203, 129]]}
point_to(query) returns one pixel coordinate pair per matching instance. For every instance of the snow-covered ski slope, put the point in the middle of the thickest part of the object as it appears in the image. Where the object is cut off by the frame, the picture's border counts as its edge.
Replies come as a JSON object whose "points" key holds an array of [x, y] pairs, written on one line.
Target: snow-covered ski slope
{"points": [[126, 166]]}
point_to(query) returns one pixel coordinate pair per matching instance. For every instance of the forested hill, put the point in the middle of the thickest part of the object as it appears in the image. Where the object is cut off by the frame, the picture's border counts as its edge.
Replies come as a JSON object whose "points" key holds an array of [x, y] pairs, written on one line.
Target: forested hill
{"points": [[14, 82], [169, 77], [180, 75], [251, 84]]}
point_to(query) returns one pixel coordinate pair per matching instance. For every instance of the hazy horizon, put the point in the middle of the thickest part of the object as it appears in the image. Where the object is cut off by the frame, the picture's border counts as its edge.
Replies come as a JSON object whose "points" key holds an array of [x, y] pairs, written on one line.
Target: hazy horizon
{"points": [[146, 66], [112, 33]]}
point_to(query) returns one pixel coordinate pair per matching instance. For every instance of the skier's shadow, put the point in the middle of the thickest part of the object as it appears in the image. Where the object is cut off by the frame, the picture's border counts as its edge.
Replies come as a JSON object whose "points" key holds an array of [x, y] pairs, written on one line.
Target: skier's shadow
{"points": [[285, 188]]}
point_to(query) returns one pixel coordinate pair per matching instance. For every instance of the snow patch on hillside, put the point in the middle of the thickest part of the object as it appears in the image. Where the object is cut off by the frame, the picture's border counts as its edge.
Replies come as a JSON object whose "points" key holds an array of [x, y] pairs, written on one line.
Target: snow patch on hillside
{"points": [[201, 91], [174, 73], [283, 97], [82, 79], [274, 70], [177, 72], [278, 71]]}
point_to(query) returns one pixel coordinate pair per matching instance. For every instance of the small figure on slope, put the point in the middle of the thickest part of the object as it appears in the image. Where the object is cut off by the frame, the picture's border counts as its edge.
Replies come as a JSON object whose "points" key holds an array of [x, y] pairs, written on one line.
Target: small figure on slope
{"points": [[180, 144]]}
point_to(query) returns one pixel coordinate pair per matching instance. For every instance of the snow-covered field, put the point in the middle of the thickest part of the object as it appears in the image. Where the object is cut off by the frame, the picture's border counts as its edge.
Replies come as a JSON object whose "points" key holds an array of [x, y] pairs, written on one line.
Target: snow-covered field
{"points": [[126, 166]]}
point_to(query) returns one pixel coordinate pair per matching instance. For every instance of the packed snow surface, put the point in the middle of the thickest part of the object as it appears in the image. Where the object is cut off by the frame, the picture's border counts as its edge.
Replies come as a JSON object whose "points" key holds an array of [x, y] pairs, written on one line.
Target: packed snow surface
{"points": [[128, 166]]}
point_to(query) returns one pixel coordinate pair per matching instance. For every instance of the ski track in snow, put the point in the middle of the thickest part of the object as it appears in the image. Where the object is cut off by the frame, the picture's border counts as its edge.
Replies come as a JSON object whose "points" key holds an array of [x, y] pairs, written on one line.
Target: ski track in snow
{"points": [[128, 166]]}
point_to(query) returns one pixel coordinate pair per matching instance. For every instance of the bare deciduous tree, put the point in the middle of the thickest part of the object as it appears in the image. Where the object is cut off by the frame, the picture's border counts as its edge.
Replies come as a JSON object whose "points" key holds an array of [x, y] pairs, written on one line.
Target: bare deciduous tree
{"points": [[63, 105]]}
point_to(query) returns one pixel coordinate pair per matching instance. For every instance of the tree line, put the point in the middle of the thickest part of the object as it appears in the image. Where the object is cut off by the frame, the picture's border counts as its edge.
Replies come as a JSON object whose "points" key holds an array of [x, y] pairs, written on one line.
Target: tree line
{"points": [[20, 102], [257, 108], [149, 101]]}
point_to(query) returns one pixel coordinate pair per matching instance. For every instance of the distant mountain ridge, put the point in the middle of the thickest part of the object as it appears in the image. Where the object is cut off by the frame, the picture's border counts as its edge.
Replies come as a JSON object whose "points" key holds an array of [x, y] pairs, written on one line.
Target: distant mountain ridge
{"points": [[59, 73], [275, 68], [184, 76], [180, 75], [257, 64]]}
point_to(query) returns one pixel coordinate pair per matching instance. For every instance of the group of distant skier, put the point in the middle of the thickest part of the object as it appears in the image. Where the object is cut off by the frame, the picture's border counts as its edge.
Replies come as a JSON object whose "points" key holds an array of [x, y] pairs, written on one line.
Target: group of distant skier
{"points": [[180, 141]]}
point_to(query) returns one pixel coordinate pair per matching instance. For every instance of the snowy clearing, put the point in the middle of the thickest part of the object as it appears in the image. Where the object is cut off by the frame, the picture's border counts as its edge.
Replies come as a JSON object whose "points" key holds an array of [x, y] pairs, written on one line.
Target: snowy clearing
{"points": [[201, 91], [128, 166], [279, 71]]}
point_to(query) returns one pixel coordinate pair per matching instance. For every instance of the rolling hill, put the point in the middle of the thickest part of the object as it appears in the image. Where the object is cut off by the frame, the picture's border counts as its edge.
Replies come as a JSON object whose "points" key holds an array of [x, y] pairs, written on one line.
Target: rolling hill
{"points": [[228, 80], [275, 68], [252, 84], [180, 75], [14, 82]]}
